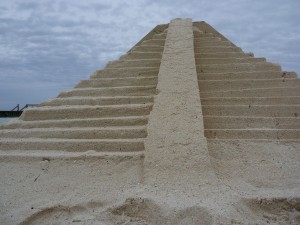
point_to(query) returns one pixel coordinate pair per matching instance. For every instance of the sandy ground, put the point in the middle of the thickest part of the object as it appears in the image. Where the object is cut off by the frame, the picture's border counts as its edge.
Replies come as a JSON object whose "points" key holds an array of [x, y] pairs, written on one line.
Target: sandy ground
{"points": [[257, 183]]}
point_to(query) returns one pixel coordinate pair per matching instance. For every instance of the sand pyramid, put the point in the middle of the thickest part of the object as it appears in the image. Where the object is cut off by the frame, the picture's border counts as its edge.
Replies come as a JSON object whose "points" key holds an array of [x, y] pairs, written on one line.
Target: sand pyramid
{"points": [[185, 128]]}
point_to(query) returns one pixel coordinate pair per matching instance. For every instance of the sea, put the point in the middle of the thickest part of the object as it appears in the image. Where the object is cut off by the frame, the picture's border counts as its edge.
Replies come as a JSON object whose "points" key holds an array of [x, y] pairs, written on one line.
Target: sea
{"points": [[6, 120]]}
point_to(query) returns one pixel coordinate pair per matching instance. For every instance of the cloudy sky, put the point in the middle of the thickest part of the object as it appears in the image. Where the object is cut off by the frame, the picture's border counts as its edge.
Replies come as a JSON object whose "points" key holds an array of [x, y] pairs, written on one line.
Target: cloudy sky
{"points": [[47, 46]]}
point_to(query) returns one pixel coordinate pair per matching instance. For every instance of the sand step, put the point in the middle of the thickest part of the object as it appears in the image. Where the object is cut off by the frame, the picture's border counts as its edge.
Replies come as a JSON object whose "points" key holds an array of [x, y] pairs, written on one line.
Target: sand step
{"points": [[207, 39], [134, 63], [141, 55], [73, 145], [252, 111], [78, 133], [159, 36], [54, 154], [203, 61], [288, 100], [85, 122], [148, 48], [246, 75], [252, 134], [238, 67], [117, 82], [212, 43], [111, 91], [83, 112], [162, 35], [196, 30], [227, 85], [238, 122], [204, 55], [117, 100], [125, 72], [199, 49], [255, 92], [201, 35], [158, 42]]}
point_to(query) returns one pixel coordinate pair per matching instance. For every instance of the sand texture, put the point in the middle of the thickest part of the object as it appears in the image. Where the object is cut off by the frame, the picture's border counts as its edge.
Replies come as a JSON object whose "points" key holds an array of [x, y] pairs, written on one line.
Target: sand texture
{"points": [[184, 129]]}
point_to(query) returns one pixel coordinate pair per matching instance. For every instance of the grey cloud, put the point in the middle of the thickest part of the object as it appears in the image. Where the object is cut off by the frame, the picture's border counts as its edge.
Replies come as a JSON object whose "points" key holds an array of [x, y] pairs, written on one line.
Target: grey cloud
{"points": [[28, 6]]}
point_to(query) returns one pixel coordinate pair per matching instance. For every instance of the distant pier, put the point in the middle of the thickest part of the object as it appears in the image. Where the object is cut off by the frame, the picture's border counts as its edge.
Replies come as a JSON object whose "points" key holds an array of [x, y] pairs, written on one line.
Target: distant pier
{"points": [[16, 111]]}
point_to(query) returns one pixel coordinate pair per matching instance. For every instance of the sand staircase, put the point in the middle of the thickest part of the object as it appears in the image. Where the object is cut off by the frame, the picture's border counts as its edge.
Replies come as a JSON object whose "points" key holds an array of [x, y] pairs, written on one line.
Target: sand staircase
{"points": [[107, 113], [244, 97]]}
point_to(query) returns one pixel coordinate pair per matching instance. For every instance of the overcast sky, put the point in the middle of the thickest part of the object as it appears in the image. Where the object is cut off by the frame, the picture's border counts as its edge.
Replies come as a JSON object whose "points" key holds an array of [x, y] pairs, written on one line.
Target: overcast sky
{"points": [[47, 46]]}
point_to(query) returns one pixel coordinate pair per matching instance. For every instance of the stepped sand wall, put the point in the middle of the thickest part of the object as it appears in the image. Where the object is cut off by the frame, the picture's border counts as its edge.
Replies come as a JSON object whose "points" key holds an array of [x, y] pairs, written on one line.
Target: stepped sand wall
{"points": [[185, 128]]}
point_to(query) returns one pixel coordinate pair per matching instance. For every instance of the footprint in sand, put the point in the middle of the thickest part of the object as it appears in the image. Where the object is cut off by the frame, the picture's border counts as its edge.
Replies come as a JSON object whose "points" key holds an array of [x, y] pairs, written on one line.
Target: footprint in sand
{"points": [[86, 214]]}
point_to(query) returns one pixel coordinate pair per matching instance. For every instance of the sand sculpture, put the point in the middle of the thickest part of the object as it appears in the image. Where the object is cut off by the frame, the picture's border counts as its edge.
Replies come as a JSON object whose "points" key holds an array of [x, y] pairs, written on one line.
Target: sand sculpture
{"points": [[137, 144]]}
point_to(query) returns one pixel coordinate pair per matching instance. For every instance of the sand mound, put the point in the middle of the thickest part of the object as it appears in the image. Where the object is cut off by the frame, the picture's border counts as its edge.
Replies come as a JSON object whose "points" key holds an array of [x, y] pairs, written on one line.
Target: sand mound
{"points": [[276, 210], [185, 129], [136, 211]]}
